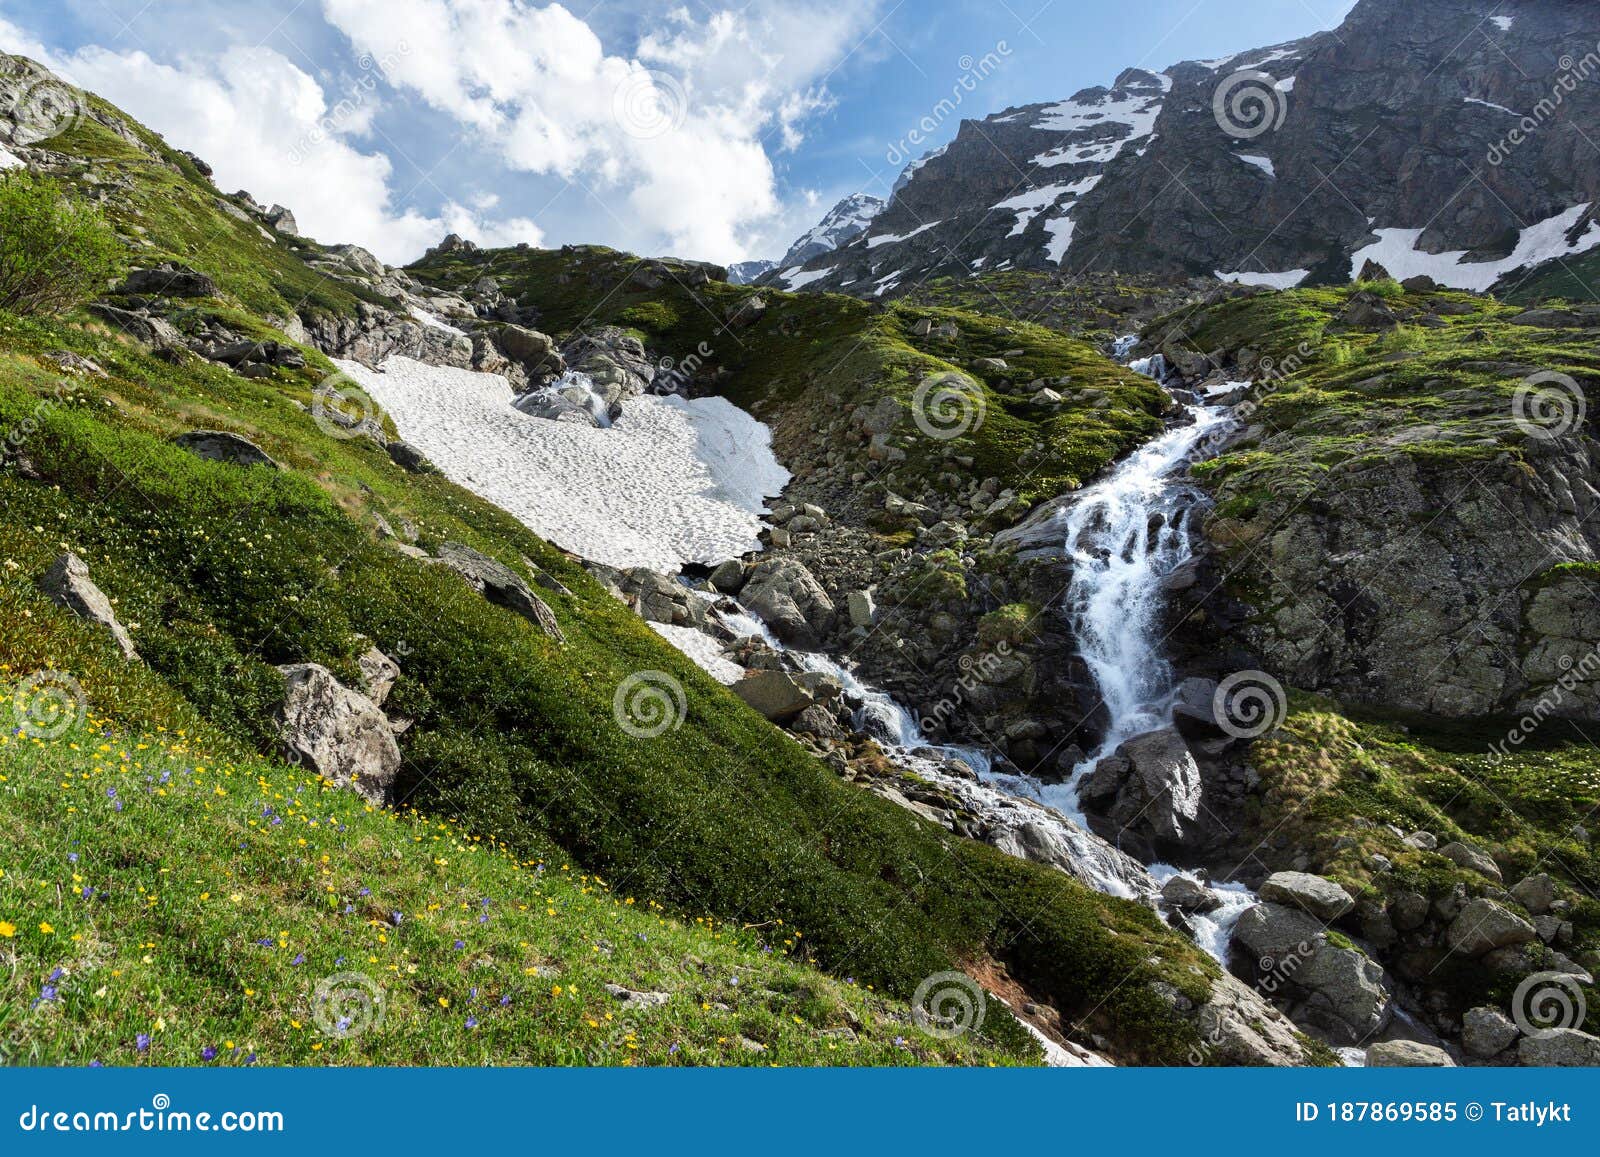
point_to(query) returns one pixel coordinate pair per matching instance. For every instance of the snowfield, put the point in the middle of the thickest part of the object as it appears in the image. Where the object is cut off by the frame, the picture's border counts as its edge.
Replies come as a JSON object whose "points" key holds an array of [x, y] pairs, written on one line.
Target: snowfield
{"points": [[1396, 250], [672, 482]]}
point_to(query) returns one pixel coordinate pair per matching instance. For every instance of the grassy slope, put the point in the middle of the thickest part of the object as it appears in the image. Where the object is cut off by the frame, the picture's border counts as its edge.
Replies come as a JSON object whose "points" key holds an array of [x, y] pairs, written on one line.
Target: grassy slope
{"points": [[1571, 279], [812, 354], [148, 889]]}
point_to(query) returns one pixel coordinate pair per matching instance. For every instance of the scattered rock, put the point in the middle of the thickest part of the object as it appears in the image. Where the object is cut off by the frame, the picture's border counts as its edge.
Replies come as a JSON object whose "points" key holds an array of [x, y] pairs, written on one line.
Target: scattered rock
{"points": [[169, 279], [1408, 1054], [501, 585], [638, 999], [781, 696], [729, 577], [1485, 925], [1487, 1032], [1562, 1047], [1321, 898], [1188, 895], [408, 457], [784, 594], [1535, 893], [68, 585], [340, 734], [1471, 858], [221, 446]]}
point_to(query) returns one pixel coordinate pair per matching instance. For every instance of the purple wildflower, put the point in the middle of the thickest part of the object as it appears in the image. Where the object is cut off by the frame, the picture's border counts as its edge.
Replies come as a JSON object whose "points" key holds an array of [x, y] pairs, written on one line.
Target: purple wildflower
{"points": [[472, 1022], [208, 1053], [141, 1043]]}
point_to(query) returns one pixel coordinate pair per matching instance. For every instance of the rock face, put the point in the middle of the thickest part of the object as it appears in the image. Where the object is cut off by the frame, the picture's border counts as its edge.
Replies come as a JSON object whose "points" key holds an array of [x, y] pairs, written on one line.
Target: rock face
{"points": [[168, 279], [221, 446], [784, 593], [339, 733], [501, 585], [1401, 95], [68, 585], [1149, 785]]}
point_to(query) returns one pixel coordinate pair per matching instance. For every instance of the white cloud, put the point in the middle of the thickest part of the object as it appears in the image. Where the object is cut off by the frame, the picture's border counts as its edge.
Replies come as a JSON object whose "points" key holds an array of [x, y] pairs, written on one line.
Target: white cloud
{"points": [[266, 126], [674, 141]]}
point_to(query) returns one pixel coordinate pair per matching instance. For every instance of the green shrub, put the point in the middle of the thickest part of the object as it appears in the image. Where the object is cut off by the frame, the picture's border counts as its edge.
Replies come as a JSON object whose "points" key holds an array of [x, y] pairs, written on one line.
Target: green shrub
{"points": [[55, 251]]}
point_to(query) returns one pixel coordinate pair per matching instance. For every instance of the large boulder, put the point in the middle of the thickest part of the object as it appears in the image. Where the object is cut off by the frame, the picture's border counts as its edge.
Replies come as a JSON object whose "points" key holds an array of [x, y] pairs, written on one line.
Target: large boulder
{"points": [[501, 585], [1408, 1054], [781, 697], [169, 279], [792, 602], [1560, 1047], [340, 734], [67, 584], [155, 332], [1484, 925], [1339, 991], [221, 446], [1321, 898], [1150, 785]]}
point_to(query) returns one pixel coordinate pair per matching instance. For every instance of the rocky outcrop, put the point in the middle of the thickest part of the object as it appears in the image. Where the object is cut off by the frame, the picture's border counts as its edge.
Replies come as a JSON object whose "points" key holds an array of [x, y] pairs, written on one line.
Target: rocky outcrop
{"points": [[341, 735], [222, 446], [169, 279], [1322, 899], [784, 593], [1149, 787], [502, 586], [67, 584], [1408, 1054], [1337, 990]]}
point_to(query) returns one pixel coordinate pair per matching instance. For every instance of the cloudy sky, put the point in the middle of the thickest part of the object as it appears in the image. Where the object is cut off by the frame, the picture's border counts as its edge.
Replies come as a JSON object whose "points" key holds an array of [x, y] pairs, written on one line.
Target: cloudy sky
{"points": [[712, 129]]}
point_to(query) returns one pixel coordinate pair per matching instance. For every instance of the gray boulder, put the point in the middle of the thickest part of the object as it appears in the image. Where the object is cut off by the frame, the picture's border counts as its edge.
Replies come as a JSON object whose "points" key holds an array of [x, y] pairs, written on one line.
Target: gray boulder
{"points": [[408, 457], [1561, 1047], [169, 279], [728, 577], [501, 586], [1487, 1032], [221, 446], [155, 332], [340, 734], [379, 673], [1485, 925], [1150, 784], [1535, 893], [1186, 895], [67, 584], [1471, 858], [1408, 1054], [786, 596], [1340, 991], [1321, 898], [781, 696], [283, 221]]}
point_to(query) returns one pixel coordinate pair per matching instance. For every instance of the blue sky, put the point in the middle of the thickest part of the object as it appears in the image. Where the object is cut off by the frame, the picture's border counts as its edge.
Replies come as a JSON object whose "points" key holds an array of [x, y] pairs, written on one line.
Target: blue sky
{"points": [[718, 130]]}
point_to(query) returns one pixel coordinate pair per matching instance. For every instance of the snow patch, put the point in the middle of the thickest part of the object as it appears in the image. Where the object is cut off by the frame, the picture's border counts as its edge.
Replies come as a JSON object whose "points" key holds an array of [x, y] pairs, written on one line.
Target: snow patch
{"points": [[1285, 280], [1262, 163], [1491, 104], [1285, 85], [673, 482], [703, 649], [1396, 250], [1503, 23], [432, 322], [896, 238], [1061, 231], [9, 160], [798, 278]]}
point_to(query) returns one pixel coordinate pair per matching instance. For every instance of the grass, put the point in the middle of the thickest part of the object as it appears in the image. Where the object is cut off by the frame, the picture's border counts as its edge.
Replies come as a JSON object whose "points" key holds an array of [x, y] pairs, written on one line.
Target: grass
{"points": [[158, 907]]}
